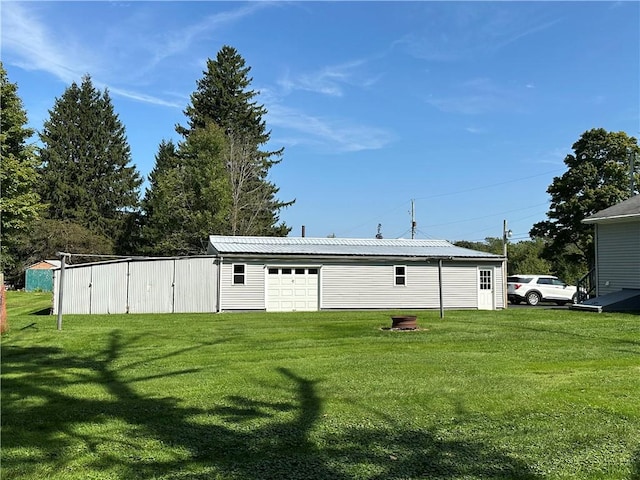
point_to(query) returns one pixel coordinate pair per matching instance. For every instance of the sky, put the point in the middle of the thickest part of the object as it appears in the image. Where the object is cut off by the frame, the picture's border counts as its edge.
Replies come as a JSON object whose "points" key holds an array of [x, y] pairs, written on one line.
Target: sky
{"points": [[465, 110]]}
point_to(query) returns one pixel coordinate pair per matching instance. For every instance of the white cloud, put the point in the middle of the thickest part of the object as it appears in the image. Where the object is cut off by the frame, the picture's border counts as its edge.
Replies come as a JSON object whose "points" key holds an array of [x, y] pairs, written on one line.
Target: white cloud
{"points": [[477, 96], [472, 29], [27, 43], [329, 80], [333, 135]]}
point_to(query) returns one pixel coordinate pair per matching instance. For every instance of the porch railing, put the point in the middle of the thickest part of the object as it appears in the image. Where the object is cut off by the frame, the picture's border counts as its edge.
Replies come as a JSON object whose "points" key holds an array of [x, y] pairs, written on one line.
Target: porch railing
{"points": [[587, 286]]}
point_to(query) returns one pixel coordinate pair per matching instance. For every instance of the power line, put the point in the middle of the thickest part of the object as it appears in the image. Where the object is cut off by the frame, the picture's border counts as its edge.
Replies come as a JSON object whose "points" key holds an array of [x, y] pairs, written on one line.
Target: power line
{"points": [[489, 186], [377, 218]]}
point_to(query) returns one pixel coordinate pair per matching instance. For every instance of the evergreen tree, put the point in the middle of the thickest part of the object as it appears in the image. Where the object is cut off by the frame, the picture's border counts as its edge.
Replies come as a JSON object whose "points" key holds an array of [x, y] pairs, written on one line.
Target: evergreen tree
{"points": [[224, 98], [86, 176], [20, 203], [188, 195], [156, 198]]}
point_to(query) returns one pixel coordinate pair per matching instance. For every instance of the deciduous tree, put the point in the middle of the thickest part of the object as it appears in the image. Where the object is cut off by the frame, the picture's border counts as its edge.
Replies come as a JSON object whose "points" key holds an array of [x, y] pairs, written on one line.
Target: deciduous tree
{"points": [[20, 203], [598, 176]]}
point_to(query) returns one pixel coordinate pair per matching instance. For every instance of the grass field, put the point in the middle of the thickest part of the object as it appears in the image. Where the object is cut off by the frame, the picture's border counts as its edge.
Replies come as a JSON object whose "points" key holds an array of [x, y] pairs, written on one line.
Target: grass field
{"points": [[516, 394]]}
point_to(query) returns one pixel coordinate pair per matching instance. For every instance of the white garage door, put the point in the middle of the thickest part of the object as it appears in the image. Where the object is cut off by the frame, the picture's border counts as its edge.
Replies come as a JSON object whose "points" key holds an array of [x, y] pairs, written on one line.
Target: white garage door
{"points": [[292, 289]]}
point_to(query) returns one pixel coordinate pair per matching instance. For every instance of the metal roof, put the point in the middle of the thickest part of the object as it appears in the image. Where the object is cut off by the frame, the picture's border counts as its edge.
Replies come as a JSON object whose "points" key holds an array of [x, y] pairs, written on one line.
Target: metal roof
{"points": [[363, 247], [626, 210]]}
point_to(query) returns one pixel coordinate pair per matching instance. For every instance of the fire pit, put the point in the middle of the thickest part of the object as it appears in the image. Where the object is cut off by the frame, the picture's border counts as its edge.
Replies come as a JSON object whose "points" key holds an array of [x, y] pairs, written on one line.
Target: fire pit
{"points": [[404, 322]]}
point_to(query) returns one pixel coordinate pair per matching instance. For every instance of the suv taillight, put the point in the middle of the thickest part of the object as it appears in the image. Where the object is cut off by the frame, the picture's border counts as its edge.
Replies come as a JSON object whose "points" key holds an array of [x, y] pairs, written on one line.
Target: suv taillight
{"points": [[518, 285]]}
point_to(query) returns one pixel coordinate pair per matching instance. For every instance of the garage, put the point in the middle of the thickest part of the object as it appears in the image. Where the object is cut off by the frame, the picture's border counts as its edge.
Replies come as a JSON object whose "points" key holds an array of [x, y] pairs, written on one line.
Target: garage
{"points": [[292, 289]]}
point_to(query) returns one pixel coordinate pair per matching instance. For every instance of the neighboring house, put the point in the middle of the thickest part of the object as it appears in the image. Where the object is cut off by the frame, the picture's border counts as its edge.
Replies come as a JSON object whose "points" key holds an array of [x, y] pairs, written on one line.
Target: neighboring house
{"points": [[617, 256], [39, 276], [291, 274]]}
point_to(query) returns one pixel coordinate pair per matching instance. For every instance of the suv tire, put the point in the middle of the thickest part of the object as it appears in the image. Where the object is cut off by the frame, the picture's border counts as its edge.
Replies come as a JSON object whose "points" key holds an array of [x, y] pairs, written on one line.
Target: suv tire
{"points": [[533, 298]]}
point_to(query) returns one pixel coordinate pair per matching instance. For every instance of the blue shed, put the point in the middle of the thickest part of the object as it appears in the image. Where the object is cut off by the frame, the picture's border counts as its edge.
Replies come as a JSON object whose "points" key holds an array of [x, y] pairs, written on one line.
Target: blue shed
{"points": [[39, 276]]}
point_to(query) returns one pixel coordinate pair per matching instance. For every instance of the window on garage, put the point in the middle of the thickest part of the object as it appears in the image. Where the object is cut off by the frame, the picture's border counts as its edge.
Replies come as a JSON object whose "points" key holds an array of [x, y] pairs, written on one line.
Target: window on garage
{"points": [[400, 275], [239, 270]]}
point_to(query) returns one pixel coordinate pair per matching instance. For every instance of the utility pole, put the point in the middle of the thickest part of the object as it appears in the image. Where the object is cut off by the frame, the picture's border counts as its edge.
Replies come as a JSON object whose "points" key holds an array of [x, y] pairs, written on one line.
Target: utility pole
{"points": [[505, 238], [632, 171], [413, 219]]}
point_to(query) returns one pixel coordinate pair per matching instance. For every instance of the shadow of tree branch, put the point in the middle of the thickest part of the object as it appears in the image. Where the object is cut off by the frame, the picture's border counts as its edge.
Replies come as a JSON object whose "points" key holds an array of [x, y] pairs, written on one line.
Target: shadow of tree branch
{"points": [[246, 439]]}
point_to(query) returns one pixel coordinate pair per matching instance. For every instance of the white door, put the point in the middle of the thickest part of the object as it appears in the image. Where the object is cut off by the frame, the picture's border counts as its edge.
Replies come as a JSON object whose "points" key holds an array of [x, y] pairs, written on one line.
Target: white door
{"points": [[485, 289], [292, 289]]}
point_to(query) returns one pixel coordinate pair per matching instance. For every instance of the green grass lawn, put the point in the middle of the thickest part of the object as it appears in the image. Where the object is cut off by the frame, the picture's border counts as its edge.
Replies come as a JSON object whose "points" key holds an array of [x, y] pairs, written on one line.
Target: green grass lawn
{"points": [[516, 394]]}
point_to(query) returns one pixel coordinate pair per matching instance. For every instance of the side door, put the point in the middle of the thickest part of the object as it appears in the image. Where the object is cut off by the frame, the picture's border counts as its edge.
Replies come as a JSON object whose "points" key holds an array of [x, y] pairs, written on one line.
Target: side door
{"points": [[486, 289]]}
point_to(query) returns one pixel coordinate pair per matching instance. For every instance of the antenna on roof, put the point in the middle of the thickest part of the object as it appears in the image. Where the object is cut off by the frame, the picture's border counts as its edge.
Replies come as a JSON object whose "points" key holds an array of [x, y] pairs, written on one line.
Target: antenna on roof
{"points": [[379, 234], [413, 219]]}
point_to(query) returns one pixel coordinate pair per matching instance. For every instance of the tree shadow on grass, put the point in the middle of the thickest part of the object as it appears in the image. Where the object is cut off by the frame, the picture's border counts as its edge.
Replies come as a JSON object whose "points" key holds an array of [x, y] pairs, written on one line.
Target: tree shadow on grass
{"points": [[124, 434]]}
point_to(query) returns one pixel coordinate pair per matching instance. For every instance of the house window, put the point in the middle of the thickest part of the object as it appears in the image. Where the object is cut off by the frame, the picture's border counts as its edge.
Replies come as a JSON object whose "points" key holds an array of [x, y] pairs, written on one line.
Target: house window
{"points": [[400, 275], [238, 273]]}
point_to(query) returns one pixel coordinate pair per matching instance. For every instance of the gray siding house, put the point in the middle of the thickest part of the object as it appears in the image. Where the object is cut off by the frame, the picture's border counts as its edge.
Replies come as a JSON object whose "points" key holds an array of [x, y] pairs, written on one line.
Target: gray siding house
{"points": [[617, 256], [290, 274]]}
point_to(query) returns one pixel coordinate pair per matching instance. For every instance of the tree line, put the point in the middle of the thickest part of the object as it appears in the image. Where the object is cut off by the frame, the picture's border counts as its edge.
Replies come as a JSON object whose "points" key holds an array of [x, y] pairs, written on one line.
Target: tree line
{"points": [[79, 191]]}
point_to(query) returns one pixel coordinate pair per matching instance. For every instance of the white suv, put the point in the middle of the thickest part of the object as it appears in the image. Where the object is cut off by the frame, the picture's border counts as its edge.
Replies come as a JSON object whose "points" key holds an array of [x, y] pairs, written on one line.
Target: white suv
{"points": [[535, 288]]}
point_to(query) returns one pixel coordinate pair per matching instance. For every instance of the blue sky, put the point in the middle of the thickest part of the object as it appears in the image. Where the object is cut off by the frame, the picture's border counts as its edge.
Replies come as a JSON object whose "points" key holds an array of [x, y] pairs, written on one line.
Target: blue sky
{"points": [[466, 108]]}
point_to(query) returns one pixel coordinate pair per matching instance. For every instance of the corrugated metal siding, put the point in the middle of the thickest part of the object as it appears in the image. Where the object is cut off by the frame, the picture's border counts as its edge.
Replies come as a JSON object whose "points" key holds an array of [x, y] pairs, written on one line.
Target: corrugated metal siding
{"points": [[151, 286], [251, 295], [77, 291], [195, 285], [109, 283], [618, 256], [145, 286]]}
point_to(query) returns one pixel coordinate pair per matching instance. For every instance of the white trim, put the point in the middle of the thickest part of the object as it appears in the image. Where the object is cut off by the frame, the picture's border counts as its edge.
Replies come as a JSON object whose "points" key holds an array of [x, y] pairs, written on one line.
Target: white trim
{"points": [[233, 274], [396, 276]]}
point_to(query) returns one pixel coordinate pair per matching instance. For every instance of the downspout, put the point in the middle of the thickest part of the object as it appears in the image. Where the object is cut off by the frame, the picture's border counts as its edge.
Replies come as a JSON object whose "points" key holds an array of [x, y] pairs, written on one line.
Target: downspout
{"points": [[219, 286], [440, 288]]}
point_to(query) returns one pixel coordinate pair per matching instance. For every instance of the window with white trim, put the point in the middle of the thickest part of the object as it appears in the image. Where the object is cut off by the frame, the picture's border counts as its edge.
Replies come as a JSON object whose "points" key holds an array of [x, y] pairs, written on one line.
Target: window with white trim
{"points": [[239, 273], [400, 275]]}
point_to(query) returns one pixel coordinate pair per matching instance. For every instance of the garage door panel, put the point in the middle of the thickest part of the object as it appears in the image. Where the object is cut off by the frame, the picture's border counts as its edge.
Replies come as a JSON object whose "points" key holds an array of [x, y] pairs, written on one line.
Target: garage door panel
{"points": [[290, 289]]}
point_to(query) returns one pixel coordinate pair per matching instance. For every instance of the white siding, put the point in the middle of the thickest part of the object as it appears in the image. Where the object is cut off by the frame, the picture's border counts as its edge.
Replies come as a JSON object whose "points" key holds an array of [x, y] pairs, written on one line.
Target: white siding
{"points": [[618, 261], [251, 295], [372, 286], [151, 287], [460, 285], [195, 285], [109, 284]]}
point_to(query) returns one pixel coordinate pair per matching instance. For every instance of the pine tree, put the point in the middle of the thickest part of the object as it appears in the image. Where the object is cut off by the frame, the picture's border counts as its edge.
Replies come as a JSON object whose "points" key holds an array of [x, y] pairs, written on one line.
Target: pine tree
{"points": [[86, 176], [223, 97], [187, 198], [20, 203]]}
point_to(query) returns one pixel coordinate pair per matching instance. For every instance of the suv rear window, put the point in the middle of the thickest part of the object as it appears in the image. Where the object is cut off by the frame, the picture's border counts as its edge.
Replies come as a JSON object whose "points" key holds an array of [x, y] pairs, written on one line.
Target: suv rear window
{"points": [[518, 279]]}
